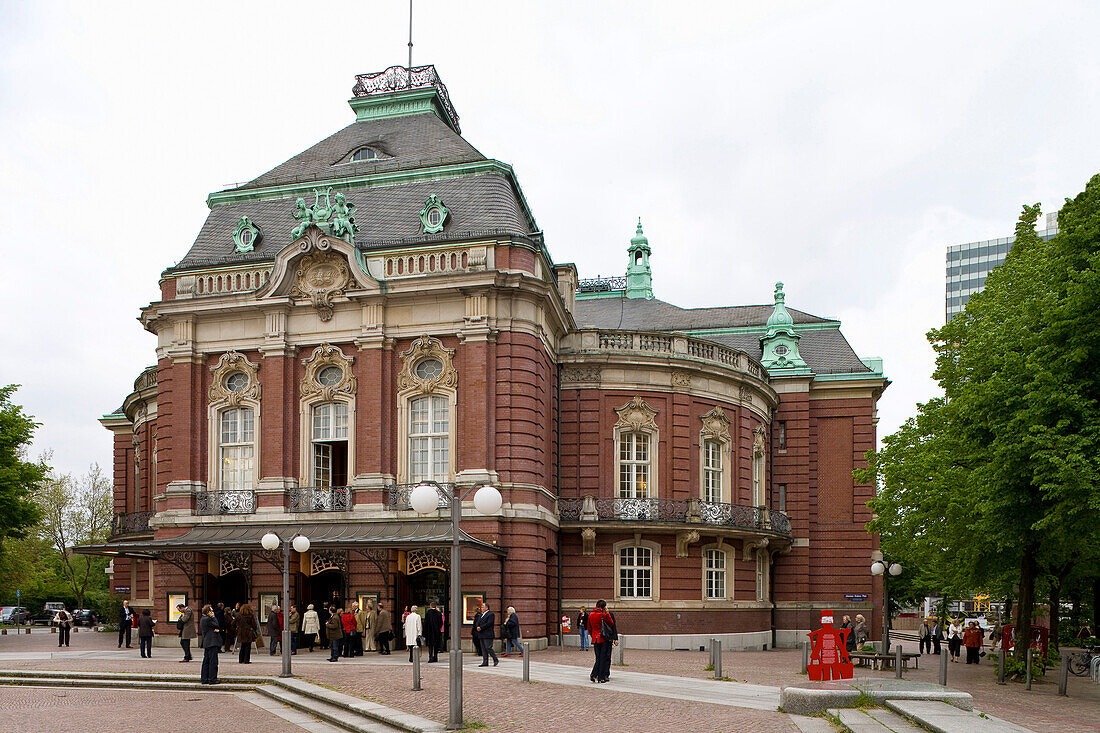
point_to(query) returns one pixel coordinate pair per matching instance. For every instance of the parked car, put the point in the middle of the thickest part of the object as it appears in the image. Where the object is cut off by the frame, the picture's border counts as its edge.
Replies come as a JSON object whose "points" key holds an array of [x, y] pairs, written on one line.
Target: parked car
{"points": [[42, 618], [54, 606], [13, 615], [84, 617]]}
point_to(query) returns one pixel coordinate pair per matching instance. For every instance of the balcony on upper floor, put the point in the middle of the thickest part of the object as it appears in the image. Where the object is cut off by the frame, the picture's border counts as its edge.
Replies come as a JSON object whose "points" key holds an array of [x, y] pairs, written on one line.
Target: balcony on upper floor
{"points": [[631, 511], [320, 499], [130, 523], [230, 501]]}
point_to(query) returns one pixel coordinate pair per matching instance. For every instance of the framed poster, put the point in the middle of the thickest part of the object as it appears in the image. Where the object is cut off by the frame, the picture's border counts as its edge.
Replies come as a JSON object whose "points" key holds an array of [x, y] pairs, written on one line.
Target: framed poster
{"points": [[364, 597], [267, 600], [470, 603], [174, 599]]}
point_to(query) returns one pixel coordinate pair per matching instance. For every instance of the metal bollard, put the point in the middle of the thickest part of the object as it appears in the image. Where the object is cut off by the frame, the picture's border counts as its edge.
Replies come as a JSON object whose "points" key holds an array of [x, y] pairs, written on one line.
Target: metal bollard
{"points": [[805, 656], [1029, 668], [526, 661], [416, 668], [619, 651], [897, 661], [943, 668], [1063, 675], [1001, 667], [716, 652]]}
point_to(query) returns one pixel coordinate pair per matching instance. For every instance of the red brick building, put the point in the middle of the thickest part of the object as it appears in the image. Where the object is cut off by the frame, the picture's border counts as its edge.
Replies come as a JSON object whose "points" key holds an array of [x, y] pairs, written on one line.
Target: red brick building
{"points": [[382, 310]]}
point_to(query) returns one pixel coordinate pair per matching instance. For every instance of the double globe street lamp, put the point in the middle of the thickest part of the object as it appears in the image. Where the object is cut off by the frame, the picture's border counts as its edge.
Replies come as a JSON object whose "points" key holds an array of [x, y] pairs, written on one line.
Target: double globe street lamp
{"points": [[424, 499], [881, 567], [300, 543]]}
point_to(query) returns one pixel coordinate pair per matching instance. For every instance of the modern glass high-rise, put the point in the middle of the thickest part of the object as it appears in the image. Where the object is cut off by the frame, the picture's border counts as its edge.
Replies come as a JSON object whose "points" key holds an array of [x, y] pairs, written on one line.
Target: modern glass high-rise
{"points": [[969, 264]]}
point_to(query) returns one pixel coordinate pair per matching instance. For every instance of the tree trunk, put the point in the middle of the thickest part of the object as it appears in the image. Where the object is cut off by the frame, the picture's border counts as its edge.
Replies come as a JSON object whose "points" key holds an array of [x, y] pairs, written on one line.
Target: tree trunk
{"points": [[1026, 605], [1006, 617], [1055, 610], [1096, 607]]}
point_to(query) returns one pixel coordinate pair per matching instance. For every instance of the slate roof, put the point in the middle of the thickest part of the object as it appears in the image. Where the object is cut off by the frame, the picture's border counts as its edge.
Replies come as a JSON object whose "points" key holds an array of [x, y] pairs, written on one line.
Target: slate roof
{"points": [[825, 350], [479, 205], [412, 141]]}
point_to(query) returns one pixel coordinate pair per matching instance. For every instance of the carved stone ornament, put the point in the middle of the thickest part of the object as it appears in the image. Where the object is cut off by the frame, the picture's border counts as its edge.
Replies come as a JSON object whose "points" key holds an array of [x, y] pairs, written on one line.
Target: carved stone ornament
{"points": [[751, 548], [588, 541], [324, 356], [246, 236], [685, 538], [321, 276], [681, 380], [759, 440], [580, 373], [744, 394], [341, 213], [231, 363], [636, 416], [427, 347], [716, 426]]}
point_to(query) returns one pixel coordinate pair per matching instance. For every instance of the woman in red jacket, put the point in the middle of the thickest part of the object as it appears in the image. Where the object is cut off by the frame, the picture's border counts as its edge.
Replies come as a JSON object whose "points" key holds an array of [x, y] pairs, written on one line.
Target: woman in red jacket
{"points": [[598, 618], [347, 621], [972, 640]]}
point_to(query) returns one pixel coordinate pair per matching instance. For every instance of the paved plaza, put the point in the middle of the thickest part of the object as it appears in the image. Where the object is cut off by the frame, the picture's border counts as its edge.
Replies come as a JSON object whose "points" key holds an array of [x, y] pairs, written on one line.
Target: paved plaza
{"points": [[655, 690]]}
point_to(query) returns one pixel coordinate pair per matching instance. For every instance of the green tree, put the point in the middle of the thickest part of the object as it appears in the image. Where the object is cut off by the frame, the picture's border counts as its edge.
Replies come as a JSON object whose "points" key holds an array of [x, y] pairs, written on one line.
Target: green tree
{"points": [[995, 485], [76, 511], [18, 477]]}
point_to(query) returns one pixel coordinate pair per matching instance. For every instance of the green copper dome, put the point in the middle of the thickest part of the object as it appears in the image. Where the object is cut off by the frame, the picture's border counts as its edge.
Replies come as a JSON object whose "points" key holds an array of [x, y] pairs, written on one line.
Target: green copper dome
{"points": [[780, 318]]}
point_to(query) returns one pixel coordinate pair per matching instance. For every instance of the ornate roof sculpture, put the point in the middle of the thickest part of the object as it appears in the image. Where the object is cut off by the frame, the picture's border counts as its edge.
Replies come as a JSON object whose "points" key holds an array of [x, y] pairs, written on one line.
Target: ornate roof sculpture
{"points": [[400, 78]]}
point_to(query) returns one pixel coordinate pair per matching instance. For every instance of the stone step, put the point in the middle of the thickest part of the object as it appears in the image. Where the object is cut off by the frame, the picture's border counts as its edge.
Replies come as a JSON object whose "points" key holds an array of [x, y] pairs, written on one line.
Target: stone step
{"points": [[857, 720], [337, 715], [129, 676], [943, 718], [396, 719], [166, 686], [893, 721]]}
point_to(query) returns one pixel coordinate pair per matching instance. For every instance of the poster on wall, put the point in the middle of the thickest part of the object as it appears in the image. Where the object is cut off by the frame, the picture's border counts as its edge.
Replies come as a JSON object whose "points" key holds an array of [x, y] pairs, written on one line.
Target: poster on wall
{"points": [[364, 597], [174, 599], [267, 600], [471, 602]]}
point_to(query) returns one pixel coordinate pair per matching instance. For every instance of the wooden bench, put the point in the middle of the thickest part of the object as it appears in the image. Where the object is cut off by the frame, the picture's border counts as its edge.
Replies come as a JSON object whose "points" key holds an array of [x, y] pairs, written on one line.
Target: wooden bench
{"points": [[884, 661]]}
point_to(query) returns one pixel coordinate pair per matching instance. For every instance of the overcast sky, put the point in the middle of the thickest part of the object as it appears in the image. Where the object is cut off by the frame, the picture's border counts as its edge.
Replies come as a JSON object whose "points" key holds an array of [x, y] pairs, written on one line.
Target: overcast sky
{"points": [[838, 147]]}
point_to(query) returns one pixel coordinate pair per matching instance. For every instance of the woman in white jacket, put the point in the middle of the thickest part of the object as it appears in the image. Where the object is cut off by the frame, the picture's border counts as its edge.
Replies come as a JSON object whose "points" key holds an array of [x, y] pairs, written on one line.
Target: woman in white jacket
{"points": [[414, 629], [311, 626]]}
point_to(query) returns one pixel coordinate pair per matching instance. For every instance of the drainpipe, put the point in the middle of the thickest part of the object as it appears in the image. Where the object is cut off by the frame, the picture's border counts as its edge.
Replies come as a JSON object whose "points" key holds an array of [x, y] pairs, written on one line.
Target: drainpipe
{"points": [[557, 460], [771, 501]]}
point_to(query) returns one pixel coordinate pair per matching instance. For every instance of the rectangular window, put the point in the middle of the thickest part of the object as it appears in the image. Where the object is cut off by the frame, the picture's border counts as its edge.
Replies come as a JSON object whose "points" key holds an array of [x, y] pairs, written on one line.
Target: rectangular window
{"points": [[716, 575], [633, 466], [781, 502], [237, 449], [781, 436], [635, 572], [429, 439], [330, 444], [712, 471]]}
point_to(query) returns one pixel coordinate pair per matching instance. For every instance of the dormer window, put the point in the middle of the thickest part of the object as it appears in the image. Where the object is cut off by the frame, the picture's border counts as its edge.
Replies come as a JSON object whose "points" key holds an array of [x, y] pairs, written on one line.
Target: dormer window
{"points": [[364, 154]]}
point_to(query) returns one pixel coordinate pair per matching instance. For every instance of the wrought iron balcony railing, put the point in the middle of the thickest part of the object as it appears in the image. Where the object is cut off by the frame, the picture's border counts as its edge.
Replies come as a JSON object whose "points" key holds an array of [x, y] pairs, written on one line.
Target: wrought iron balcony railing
{"points": [[397, 495], [692, 511], [235, 501], [320, 499], [130, 523]]}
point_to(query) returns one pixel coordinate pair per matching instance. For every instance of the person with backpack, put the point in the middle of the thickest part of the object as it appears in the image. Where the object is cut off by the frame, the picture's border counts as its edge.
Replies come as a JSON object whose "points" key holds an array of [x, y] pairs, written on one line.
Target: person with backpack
{"points": [[64, 621], [601, 625]]}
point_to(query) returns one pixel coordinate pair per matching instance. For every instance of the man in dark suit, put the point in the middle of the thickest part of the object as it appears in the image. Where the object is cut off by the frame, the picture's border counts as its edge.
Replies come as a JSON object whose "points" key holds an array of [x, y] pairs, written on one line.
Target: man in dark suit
{"points": [[211, 645], [433, 631], [125, 624], [485, 631], [473, 631]]}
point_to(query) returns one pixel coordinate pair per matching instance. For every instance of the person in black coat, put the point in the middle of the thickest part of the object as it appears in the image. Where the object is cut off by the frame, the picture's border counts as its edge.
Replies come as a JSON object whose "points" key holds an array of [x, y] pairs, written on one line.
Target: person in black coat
{"points": [[125, 624], [483, 629], [433, 631], [211, 644]]}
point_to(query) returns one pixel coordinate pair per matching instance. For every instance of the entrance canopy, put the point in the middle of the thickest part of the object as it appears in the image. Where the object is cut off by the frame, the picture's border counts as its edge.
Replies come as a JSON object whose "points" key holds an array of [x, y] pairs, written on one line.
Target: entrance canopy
{"points": [[336, 535]]}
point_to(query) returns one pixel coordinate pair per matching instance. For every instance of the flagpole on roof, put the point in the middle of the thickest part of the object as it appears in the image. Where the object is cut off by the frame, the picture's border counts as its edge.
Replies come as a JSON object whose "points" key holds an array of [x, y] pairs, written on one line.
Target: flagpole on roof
{"points": [[410, 42]]}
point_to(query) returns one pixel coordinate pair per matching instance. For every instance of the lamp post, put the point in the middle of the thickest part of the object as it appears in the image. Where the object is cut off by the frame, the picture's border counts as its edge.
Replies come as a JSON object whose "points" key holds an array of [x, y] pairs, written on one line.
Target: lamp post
{"points": [[881, 567], [424, 498], [300, 542]]}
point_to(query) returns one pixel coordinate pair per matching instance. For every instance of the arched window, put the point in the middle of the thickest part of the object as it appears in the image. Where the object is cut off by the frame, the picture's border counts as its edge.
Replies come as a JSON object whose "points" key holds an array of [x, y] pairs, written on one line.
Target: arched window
{"points": [[712, 471], [635, 573], [716, 583], [429, 438], [637, 441], [364, 154], [329, 439], [237, 448]]}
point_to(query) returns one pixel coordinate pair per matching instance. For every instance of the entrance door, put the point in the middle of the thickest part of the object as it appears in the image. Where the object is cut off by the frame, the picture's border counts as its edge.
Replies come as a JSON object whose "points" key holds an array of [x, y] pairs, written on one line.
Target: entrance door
{"points": [[230, 589], [325, 587]]}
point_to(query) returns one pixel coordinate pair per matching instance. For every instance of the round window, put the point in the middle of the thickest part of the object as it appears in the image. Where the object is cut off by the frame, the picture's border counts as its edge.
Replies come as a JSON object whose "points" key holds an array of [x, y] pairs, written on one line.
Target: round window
{"points": [[781, 350], [330, 376], [435, 216], [429, 369], [246, 237], [236, 382]]}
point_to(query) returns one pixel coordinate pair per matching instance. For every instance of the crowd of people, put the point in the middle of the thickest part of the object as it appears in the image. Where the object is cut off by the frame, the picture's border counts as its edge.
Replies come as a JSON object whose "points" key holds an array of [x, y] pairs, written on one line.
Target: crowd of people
{"points": [[932, 633]]}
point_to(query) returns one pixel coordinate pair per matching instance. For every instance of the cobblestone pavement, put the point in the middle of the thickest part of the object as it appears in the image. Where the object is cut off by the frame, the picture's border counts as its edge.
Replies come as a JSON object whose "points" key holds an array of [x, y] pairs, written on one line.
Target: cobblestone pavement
{"points": [[76, 710], [505, 703]]}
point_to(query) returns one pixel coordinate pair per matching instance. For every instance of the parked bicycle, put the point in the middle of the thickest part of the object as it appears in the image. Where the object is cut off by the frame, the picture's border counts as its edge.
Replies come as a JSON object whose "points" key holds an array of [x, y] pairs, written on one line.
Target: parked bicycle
{"points": [[1081, 662]]}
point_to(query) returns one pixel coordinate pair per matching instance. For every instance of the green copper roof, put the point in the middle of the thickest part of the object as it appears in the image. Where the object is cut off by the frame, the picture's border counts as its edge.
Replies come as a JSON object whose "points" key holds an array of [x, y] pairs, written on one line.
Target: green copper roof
{"points": [[780, 318], [639, 276]]}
